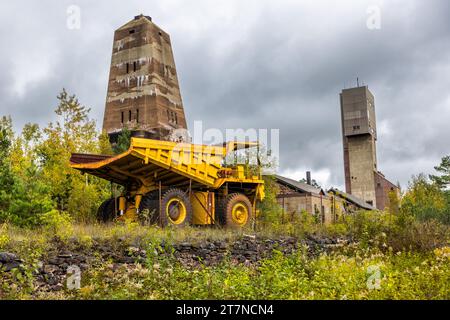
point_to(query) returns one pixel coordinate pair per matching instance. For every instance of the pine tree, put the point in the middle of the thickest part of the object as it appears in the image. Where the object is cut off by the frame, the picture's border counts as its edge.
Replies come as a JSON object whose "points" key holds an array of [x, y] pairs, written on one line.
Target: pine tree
{"points": [[123, 141], [443, 179]]}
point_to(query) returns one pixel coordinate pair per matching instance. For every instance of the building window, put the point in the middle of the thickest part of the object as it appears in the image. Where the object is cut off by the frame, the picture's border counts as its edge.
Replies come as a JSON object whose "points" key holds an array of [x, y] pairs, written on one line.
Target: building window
{"points": [[137, 115], [132, 31], [356, 127], [129, 115], [122, 117], [350, 115], [134, 66], [128, 67], [176, 119]]}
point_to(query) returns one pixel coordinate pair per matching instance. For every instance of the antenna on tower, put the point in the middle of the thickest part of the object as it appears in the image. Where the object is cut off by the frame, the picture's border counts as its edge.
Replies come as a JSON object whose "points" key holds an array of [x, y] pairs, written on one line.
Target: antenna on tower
{"points": [[357, 82]]}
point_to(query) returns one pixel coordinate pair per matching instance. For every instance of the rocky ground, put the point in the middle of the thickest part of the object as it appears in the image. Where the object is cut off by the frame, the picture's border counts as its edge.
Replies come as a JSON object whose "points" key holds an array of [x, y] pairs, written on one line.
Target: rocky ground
{"points": [[52, 270]]}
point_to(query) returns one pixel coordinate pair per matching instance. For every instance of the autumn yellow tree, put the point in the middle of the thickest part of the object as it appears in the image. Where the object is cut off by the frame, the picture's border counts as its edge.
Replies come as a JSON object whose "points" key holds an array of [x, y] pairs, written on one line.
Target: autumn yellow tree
{"points": [[424, 200], [73, 132]]}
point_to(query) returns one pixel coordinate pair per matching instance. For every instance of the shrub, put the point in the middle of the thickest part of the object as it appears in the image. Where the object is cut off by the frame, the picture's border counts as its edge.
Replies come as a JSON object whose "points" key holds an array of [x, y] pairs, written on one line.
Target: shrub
{"points": [[85, 198], [368, 226], [4, 238], [271, 211], [58, 223], [419, 236]]}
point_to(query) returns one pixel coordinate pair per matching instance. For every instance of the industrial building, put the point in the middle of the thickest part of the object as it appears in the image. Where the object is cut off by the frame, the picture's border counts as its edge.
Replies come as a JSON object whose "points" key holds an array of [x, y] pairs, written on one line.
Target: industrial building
{"points": [[359, 132], [295, 197], [366, 187], [143, 90]]}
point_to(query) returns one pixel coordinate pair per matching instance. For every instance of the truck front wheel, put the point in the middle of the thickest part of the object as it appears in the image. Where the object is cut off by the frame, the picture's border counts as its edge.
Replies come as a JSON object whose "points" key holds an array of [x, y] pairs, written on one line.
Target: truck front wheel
{"points": [[107, 210], [176, 208], [235, 211]]}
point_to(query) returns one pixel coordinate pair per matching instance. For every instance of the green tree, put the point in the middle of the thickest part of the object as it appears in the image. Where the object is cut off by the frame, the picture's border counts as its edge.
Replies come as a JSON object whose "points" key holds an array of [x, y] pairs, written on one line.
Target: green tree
{"points": [[73, 132], [394, 203], [35, 172], [314, 183], [6, 174], [271, 211], [104, 144], [123, 141], [443, 179], [424, 200], [23, 195]]}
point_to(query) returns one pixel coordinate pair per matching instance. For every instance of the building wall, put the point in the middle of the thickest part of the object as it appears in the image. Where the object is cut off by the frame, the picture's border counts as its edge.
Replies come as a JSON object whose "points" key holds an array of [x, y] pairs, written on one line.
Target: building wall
{"points": [[328, 208], [143, 90], [383, 188], [319, 206], [362, 167]]}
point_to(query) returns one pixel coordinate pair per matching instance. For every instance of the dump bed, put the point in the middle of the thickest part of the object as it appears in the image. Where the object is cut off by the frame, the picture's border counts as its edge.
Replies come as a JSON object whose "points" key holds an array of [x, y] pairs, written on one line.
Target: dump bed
{"points": [[149, 162]]}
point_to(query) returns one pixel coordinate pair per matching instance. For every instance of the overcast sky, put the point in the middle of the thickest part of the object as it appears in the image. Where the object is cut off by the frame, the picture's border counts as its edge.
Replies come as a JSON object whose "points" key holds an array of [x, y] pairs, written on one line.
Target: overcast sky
{"points": [[254, 64]]}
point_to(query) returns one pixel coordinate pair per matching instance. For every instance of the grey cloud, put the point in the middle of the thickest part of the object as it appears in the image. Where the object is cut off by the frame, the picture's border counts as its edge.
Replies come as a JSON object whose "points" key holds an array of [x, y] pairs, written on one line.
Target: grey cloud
{"points": [[258, 64]]}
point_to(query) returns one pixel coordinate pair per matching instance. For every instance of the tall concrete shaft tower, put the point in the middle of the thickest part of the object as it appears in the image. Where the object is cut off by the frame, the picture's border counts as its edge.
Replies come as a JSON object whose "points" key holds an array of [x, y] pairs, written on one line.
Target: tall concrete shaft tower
{"points": [[143, 91], [359, 130]]}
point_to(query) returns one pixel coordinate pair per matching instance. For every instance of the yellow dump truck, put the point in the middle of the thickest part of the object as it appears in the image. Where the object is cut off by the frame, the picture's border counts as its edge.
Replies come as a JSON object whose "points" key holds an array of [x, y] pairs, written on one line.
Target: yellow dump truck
{"points": [[177, 184]]}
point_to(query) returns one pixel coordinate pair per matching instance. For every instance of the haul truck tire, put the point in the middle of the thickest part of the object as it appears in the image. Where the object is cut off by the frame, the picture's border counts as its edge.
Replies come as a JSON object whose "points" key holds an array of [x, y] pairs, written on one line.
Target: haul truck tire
{"points": [[107, 211], [176, 208], [235, 211], [150, 202], [100, 211]]}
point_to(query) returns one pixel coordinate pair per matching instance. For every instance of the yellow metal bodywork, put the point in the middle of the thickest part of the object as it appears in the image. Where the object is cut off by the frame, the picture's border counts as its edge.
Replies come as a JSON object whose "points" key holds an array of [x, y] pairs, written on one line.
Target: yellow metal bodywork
{"points": [[148, 161], [129, 214], [203, 207], [122, 204]]}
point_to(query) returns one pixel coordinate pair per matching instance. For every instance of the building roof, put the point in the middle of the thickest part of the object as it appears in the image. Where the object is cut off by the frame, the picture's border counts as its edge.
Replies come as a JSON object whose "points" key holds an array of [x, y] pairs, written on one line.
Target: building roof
{"points": [[351, 198], [139, 20], [299, 186]]}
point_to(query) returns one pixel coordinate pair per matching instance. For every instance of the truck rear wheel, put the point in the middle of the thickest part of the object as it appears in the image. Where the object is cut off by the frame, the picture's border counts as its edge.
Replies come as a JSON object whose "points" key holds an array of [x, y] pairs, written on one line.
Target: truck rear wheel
{"points": [[149, 207], [107, 211], [235, 211]]}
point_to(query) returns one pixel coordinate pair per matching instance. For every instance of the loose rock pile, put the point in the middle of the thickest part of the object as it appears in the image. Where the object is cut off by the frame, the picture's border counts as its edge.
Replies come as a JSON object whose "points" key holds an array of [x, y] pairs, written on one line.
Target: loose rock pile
{"points": [[52, 271], [9, 261]]}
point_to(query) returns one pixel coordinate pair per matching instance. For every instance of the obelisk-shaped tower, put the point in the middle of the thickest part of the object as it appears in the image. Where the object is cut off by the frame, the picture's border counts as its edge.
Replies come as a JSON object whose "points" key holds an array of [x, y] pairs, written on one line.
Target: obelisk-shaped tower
{"points": [[143, 91]]}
